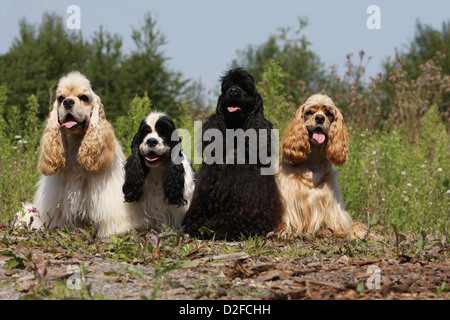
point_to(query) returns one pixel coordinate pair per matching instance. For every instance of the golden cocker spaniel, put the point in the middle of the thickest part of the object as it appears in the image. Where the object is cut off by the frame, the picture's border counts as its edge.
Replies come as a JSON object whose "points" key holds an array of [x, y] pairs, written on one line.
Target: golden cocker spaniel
{"points": [[314, 140]]}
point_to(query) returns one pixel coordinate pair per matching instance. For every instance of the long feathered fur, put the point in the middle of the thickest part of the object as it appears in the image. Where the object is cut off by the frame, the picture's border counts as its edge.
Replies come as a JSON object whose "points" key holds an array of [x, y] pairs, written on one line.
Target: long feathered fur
{"points": [[308, 183], [82, 168]]}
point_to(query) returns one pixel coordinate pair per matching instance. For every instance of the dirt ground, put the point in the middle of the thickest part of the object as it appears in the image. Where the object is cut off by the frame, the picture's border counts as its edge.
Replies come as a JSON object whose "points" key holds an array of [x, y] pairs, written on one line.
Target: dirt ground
{"points": [[237, 275]]}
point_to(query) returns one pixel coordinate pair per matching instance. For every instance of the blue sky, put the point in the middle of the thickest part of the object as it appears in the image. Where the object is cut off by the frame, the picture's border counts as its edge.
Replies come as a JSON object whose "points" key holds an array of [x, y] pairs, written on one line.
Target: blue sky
{"points": [[204, 35]]}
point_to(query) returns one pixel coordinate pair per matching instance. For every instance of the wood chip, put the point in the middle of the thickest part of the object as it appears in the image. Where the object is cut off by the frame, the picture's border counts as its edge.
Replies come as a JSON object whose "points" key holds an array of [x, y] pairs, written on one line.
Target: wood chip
{"points": [[231, 256]]}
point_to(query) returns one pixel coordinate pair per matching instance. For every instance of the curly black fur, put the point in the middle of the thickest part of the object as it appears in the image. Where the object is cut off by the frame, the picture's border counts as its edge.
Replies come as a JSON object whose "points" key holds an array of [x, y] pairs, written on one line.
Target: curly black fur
{"points": [[135, 169], [235, 200], [173, 184]]}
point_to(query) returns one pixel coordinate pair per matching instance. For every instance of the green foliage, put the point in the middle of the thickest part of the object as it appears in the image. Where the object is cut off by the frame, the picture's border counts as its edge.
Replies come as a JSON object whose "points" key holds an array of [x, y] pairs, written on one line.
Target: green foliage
{"points": [[390, 180], [426, 43], [425, 64], [127, 126], [32, 125], [19, 139], [145, 69], [103, 69], [3, 124], [272, 88], [185, 127], [292, 51], [40, 55]]}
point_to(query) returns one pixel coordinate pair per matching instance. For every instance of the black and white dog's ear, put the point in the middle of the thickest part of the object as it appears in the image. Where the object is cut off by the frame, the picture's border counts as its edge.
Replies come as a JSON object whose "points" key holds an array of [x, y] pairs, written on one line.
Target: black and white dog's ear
{"points": [[173, 184], [135, 173]]}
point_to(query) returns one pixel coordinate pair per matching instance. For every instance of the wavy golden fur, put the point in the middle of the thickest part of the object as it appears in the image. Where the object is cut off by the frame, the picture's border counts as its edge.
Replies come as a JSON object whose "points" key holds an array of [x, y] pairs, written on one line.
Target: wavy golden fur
{"points": [[315, 139]]}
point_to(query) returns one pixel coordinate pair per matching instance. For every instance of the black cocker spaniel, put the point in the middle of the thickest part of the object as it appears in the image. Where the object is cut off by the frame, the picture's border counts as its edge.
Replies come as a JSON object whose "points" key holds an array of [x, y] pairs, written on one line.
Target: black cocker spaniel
{"points": [[232, 197]]}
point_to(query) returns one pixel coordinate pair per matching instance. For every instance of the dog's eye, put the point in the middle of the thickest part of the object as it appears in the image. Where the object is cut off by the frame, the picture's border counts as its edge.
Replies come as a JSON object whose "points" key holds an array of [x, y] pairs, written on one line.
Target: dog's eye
{"points": [[61, 98], [329, 114], [84, 98], [309, 113]]}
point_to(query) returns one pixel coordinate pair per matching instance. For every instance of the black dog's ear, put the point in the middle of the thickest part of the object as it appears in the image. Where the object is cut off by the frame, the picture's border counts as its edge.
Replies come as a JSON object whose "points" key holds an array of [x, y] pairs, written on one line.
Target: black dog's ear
{"points": [[219, 110], [173, 184], [166, 129], [135, 173], [259, 104]]}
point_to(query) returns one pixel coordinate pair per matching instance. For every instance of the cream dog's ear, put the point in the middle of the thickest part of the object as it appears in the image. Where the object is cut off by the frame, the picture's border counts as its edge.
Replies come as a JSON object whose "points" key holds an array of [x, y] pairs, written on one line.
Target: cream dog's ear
{"points": [[96, 152], [52, 156]]}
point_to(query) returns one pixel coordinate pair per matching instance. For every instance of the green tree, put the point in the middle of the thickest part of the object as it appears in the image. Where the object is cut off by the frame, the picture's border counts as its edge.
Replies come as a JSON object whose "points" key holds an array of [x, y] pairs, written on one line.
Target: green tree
{"points": [[41, 54], [291, 50], [37, 58], [103, 69], [277, 109], [126, 126], [146, 70], [426, 44]]}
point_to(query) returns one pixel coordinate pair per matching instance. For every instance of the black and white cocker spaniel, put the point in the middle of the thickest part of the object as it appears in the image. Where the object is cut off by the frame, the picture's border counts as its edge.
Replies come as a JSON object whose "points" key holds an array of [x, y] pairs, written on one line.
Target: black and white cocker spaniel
{"points": [[159, 179], [232, 197]]}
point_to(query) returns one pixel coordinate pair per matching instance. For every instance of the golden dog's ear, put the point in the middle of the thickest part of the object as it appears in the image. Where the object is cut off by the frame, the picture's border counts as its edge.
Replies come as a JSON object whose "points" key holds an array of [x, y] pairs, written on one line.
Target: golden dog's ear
{"points": [[52, 154], [96, 152], [337, 147], [295, 142]]}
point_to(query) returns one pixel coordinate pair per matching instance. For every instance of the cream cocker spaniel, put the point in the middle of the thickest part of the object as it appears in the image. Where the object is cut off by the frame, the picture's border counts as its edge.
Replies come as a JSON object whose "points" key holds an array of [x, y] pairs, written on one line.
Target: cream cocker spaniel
{"points": [[314, 140], [81, 163]]}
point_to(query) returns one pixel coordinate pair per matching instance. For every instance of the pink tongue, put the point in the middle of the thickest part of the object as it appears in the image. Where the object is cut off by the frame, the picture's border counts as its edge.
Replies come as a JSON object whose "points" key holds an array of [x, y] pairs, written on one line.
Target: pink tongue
{"points": [[152, 159], [319, 137], [69, 124], [233, 109]]}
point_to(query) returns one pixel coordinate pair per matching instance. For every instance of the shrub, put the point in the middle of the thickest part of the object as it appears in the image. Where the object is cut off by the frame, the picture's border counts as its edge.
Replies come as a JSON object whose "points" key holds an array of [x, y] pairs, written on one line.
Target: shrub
{"points": [[127, 126]]}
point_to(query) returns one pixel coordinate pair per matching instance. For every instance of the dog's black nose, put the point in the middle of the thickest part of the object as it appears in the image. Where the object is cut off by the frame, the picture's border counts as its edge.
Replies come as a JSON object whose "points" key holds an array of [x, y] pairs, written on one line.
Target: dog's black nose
{"points": [[320, 119], [151, 142], [68, 103], [233, 91]]}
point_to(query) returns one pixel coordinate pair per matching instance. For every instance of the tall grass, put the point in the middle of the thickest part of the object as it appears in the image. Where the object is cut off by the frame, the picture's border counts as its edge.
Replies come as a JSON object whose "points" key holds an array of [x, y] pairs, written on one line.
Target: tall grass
{"points": [[399, 161], [389, 180]]}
